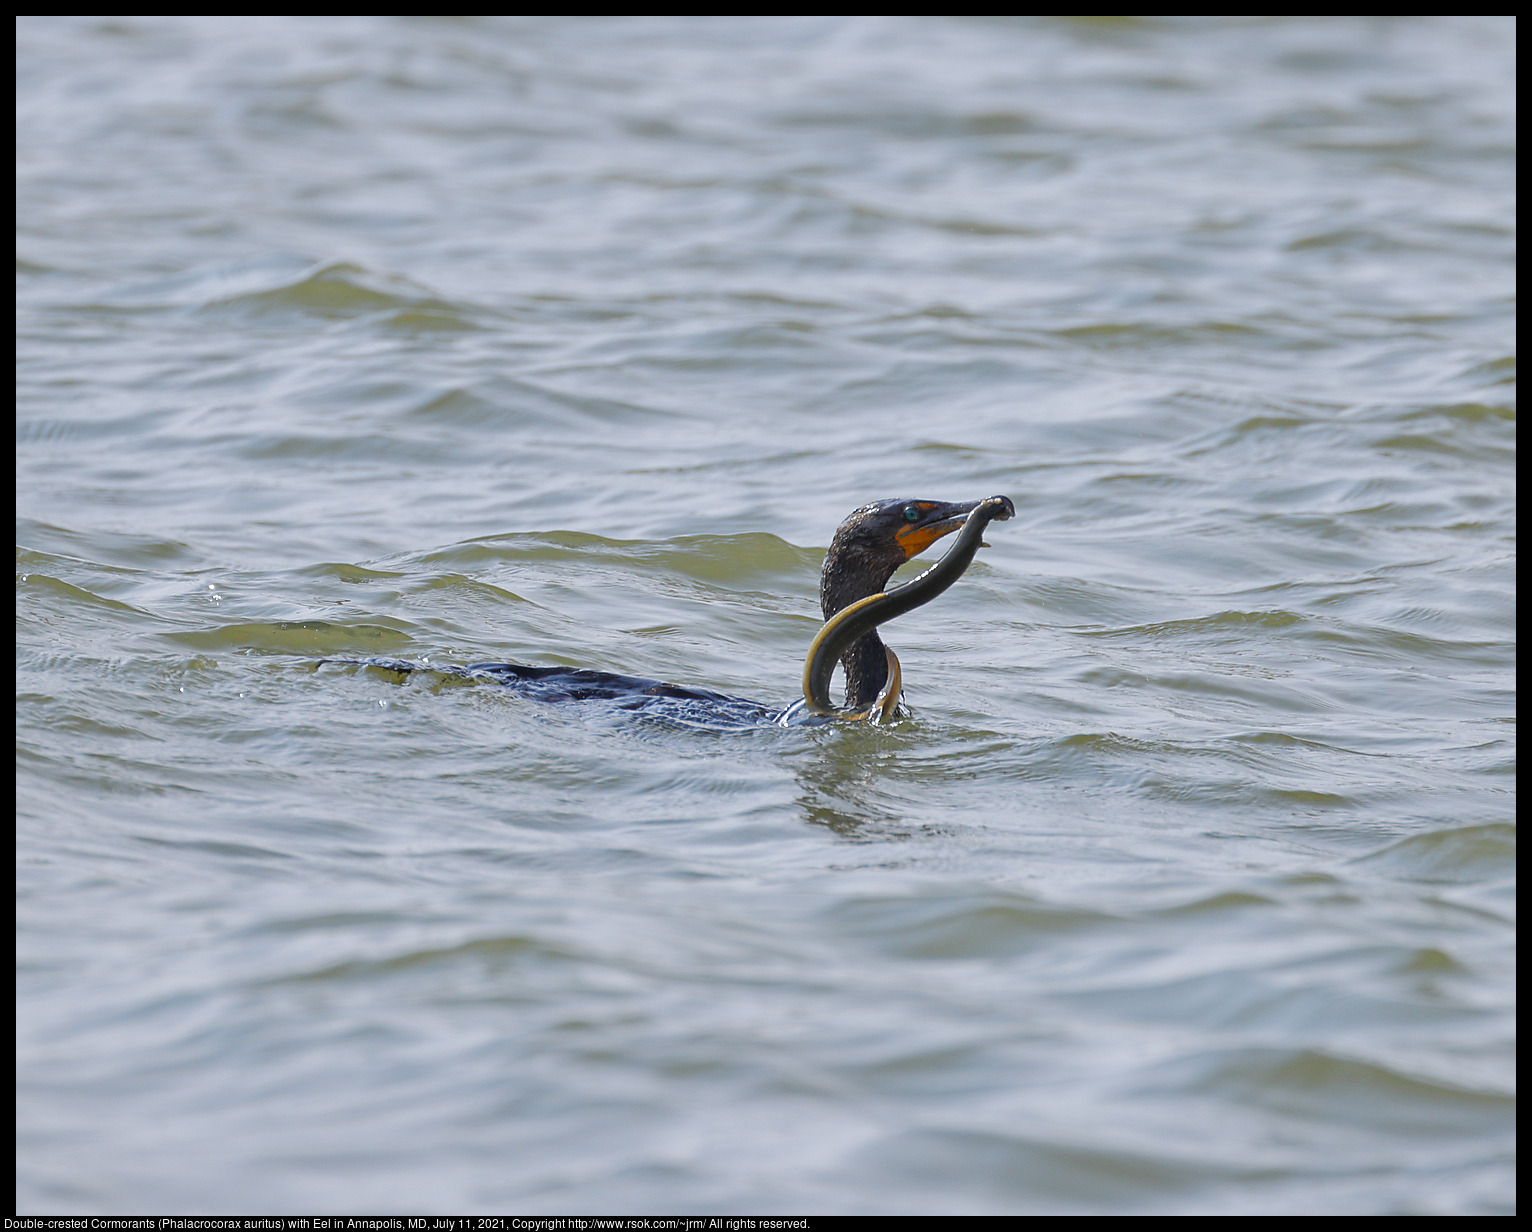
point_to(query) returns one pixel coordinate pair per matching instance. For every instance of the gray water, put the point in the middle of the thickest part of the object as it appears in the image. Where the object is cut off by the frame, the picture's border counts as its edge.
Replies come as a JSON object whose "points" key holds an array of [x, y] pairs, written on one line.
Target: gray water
{"points": [[1186, 889]]}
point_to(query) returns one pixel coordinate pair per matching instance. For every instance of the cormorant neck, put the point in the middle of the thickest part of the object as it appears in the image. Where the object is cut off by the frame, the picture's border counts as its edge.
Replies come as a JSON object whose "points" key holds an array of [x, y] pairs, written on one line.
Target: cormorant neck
{"points": [[849, 575], [866, 664]]}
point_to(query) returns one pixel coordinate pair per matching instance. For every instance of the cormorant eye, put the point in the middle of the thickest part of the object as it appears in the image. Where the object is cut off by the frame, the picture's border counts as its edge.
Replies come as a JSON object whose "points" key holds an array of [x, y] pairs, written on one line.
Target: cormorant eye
{"points": [[912, 513]]}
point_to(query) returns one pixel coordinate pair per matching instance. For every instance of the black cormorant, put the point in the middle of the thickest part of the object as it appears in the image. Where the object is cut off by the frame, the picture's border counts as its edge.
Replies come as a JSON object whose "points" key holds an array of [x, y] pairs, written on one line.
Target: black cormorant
{"points": [[870, 544]]}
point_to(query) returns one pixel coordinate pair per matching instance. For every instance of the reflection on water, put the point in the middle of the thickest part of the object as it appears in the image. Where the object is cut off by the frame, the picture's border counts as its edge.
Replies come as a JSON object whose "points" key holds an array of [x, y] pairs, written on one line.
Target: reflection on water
{"points": [[1184, 889]]}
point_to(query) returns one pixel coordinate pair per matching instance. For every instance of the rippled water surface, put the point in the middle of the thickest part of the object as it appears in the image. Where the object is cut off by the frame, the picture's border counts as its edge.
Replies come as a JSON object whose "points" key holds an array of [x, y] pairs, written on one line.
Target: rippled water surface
{"points": [[1185, 890]]}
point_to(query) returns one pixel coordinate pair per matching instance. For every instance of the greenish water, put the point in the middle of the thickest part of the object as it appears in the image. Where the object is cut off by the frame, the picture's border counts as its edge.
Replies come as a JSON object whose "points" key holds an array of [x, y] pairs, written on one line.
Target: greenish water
{"points": [[1187, 889]]}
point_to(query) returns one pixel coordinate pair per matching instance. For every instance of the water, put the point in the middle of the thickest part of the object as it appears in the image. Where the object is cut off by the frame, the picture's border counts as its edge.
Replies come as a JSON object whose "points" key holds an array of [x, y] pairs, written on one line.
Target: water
{"points": [[1186, 890]]}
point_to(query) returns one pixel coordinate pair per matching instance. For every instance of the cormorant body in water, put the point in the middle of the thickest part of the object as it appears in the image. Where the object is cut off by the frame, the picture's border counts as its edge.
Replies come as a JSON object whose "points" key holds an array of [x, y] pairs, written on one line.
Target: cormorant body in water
{"points": [[869, 545]]}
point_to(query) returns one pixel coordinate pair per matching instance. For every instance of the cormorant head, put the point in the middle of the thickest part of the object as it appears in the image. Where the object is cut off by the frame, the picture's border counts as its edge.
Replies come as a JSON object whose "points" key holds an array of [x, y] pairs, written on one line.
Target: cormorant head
{"points": [[877, 538]]}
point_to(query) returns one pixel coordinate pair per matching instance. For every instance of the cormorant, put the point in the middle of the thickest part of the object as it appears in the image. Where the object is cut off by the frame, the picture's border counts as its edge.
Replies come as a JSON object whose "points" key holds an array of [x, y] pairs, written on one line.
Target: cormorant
{"points": [[869, 545]]}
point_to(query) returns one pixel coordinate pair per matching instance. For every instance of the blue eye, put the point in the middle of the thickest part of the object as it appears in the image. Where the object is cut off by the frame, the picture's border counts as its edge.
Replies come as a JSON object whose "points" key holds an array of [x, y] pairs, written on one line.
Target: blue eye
{"points": [[912, 513]]}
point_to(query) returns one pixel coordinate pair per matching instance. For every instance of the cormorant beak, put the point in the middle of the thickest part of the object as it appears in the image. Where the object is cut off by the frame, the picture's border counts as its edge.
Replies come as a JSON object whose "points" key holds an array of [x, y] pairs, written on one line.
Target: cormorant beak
{"points": [[941, 520]]}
